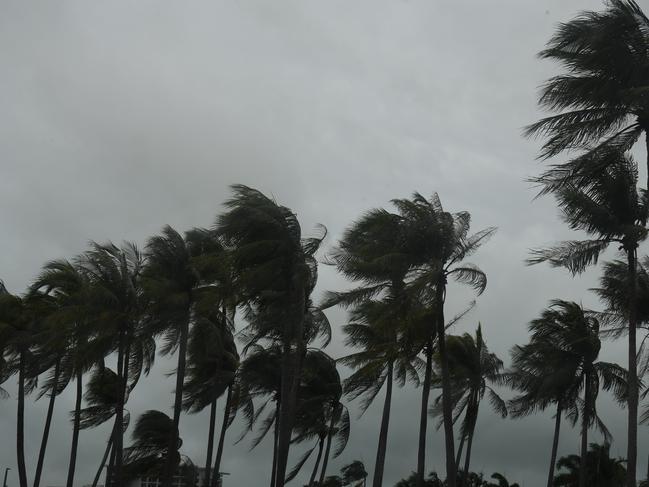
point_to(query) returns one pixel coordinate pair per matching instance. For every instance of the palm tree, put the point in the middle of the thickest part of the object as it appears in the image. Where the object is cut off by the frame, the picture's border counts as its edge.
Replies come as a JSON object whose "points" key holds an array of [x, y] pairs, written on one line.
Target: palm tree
{"points": [[543, 379], [118, 307], [600, 99], [19, 321], [69, 333], [607, 206], [212, 362], [382, 358], [502, 481], [472, 369], [575, 334], [173, 287], [275, 271], [603, 471], [440, 245], [354, 474]]}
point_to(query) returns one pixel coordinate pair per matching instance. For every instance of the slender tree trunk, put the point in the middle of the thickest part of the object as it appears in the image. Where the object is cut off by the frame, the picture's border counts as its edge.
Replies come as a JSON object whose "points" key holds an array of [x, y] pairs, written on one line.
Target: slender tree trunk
{"points": [[555, 445], [109, 448], [585, 418], [75, 431], [632, 435], [20, 423], [458, 457], [170, 462], [317, 461], [447, 407], [48, 424], [210, 444], [291, 366], [224, 428], [383, 435], [325, 462], [115, 470], [473, 407], [110, 470], [273, 475], [423, 417]]}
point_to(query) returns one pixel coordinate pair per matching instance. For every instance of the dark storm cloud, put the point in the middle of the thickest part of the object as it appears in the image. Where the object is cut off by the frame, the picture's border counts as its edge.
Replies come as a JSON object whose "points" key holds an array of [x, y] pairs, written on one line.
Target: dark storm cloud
{"points": [[119, 117]]}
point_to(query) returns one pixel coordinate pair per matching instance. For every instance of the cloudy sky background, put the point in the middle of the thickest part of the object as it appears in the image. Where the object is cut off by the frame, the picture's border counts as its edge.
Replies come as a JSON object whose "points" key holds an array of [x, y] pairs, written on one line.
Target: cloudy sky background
{"points": [[120, 117]]}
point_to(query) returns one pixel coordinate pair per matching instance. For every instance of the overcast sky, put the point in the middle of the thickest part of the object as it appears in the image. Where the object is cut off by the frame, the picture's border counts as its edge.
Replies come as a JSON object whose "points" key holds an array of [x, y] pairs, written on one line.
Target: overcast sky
{"points": [[120, 117]]}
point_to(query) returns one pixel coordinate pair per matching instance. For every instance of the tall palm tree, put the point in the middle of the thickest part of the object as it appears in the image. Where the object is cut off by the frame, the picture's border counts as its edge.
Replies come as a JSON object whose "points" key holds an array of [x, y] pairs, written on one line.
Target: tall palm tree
{"points": [[69, 336], [607, 206], [20, 318], [473, 369], [440, 245], [380, 360], [275, 272], [173, 286], [600, 100], [575, 334], [118, 307]]}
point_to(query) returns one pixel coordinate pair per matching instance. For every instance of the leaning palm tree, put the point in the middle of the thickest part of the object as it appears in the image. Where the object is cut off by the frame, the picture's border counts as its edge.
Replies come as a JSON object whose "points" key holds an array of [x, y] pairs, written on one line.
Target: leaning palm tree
{"points": [[575, 333], [473, 371], [173, 288], [382, 358], [439, 245], [68, 335], [607, 206], [275, 271], [600, 100], [118, 309]]}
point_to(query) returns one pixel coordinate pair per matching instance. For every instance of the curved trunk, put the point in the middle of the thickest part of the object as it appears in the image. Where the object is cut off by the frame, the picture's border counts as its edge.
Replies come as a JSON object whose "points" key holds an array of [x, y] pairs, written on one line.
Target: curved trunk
{"points": [[219, 449], [330, 434], [447, 407], [48, 424], [423, 417], [473, 407], [20, 423], [170, 466], [555, 445], [317, 461], [632, 434], [275, 440], [75, 431], [210, 444], [585, 418], [109, 447], [383, 435]]}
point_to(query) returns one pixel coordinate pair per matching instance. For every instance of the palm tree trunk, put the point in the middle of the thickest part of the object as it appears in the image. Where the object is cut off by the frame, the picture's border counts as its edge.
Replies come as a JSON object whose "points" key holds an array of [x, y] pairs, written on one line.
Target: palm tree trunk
{"points": [[330, 434], [555, 445], [275, 441], [474, 419], [632, 435], [383, 435], [317, 461], [115, 470], [291, 365], [20, 423], [458, 457], [48, 423], [423, 418], [447, 407], [75, 431], [109, 448], [170, 466], [585, 418], [210, 444], [224, 428], [110, 469]]}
